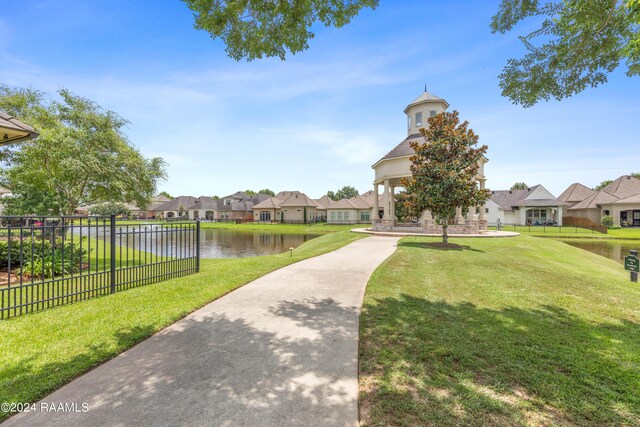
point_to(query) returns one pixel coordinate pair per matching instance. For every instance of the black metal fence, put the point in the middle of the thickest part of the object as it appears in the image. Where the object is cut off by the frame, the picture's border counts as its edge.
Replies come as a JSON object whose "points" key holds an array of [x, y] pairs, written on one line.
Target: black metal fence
{"points": [[50, 261]]}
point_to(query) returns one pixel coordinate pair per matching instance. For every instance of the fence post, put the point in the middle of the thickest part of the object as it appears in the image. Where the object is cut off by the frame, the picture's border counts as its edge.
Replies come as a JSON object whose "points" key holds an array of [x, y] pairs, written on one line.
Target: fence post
{"points": [[198, 246], [112, 240]]}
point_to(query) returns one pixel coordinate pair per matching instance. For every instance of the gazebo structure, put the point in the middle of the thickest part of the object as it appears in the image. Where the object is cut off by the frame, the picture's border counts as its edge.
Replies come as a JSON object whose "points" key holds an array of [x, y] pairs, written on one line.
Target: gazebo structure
{"points": [[12, 130], [392, 168]]}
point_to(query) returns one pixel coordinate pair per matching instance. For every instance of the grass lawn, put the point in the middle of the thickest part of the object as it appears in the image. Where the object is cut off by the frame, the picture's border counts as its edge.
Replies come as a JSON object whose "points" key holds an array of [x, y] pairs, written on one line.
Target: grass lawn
{"points": [[41, 352], [518, 331]]}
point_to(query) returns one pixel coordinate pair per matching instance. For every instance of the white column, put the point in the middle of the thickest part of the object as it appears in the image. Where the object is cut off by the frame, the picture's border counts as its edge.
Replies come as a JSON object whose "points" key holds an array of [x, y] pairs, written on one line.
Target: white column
{"points": [[559, 214], [459, 217], [426, 215], [376, 208], [471, 214], [483, 210], [393, 203], [386, 200]]}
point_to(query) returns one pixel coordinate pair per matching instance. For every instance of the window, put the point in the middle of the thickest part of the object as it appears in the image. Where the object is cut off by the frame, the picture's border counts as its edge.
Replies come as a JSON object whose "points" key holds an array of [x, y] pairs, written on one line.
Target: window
{"points": [[365, 215], [333, 215], [339, 216], [265, 216], [432, 113], [408, 122], [346, 216], [418, 119], [606, 212], [486, 210]]}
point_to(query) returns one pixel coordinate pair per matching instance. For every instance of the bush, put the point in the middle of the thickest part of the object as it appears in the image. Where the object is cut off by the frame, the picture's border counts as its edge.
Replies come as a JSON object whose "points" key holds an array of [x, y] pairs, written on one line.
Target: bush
{"points": [[46, 259], [615, 227], [607, 220]]}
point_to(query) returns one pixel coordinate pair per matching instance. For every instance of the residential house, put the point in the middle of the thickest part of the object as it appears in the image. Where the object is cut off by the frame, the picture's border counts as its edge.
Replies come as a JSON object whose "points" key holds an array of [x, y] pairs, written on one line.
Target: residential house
{"points": [[152, 210], [288, 207], [238, 206], [323, 203], [357, 209], [203, 208], [177, 208], [533, 206], [620, 200]]}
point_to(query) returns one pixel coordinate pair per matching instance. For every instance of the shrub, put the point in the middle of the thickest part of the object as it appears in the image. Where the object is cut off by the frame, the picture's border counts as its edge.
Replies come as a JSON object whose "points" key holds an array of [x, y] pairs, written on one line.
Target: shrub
{"points": [[41, 257], [607, 220], [615, 227]]}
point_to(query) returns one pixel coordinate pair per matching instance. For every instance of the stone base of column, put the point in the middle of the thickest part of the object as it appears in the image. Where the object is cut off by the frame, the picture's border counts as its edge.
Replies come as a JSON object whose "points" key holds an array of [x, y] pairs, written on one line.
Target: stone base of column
{"points": [[483, 225], [382, 224], [430, 227]]}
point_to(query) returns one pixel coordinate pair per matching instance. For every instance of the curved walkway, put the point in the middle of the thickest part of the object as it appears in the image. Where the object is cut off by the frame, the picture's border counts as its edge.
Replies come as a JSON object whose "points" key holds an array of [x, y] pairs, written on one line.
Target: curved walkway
{"points": [[280, 351]]}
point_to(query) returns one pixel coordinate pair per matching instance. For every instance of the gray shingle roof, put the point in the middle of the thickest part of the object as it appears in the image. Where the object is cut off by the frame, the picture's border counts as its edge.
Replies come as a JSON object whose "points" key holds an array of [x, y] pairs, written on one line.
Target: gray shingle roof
{"points": [[594, 200], [575, 193], [404, 148], [175, 204], [624, 186], [508, 199]]}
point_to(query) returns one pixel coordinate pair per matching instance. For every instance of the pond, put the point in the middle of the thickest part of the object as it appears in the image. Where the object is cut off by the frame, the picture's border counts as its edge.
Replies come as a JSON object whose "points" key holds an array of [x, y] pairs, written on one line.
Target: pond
{"points": [[214, 243], [221, 243], [614, 249]]}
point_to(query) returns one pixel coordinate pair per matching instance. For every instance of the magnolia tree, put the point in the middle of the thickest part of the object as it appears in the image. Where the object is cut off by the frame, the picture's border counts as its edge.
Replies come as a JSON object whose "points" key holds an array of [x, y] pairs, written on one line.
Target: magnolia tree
{"points": [[444, 169]]}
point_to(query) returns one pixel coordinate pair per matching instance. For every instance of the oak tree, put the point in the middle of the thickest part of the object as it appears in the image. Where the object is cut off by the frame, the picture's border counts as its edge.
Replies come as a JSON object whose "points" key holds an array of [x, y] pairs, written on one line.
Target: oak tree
{"points": [[578, 43], [253, 29], [81, 157]]}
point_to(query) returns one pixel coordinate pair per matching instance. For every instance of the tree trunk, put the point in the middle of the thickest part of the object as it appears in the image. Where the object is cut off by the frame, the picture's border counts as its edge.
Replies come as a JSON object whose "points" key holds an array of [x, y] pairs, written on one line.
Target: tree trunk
{"points": [[445, 237]]}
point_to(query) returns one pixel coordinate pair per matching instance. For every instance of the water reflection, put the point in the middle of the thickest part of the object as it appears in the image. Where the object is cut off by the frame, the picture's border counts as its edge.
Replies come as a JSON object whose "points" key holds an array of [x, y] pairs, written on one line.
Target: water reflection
{"points": [[614, 249], [221, 243]]}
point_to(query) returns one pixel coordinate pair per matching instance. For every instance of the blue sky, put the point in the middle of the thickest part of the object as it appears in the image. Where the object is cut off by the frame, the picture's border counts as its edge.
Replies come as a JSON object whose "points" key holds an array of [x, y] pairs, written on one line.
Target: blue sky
{"points": [[319, 120]]}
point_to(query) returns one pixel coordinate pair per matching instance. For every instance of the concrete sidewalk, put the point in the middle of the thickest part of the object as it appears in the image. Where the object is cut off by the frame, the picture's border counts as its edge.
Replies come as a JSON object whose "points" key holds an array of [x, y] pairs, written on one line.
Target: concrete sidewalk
{"points": [[280, 351]]}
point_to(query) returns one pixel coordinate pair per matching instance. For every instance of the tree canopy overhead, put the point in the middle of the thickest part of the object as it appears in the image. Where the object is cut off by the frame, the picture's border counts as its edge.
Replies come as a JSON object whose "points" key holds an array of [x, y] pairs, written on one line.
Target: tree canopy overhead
{"points": [[253, 29], [81, 157], [577, 44]]}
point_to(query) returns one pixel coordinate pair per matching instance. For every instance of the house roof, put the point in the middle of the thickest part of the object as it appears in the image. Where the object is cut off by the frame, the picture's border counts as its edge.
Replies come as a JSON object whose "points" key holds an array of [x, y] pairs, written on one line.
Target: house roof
{"points": [[13, 130], [369, 198], [635, 199], [295, 198], [592, 202], [575, 193], [234, 206], [361, 202], [624, 186], [425, 97], [404, 148], [509, 199], [324, 201], [205, 203], [175, 204], [269, 203]]}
